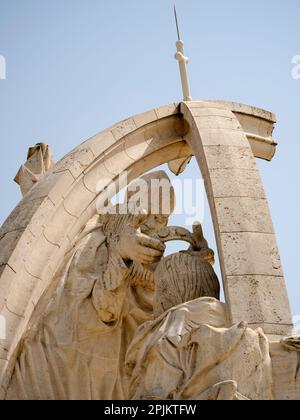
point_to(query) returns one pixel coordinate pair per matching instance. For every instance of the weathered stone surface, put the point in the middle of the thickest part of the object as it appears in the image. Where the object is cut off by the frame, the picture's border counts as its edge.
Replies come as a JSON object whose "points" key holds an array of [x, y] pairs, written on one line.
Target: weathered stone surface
{"points": [[250, 253], [54, 186], [230, 157], [145, 118], [236, 183], [218, 137], [21, 216], [73, 202], [117, 161], [101, 142], [8, 277], [31, 256], [97, 178], [123, 128], [233, 182], [167, 110], [243, 215], [39, 161], [76, 161], [94, 285], [286, 373], [15, 247], [259, 300], [53, 232], [226, 122]]}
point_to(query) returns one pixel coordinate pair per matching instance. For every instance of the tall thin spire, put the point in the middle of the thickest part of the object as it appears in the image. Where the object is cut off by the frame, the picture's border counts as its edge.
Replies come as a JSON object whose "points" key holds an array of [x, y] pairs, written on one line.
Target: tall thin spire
{"points": [[176, 20], [182, 60]]}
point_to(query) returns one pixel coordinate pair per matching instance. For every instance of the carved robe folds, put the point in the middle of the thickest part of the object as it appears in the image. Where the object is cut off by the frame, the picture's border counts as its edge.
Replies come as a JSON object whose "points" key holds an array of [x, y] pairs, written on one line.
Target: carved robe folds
{"points": [[76, 350], [190, 353]]}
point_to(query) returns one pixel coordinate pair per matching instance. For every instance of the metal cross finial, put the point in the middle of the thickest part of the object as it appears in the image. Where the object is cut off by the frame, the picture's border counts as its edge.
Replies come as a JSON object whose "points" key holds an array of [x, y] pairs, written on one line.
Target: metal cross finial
{"points": [[183, 60]]}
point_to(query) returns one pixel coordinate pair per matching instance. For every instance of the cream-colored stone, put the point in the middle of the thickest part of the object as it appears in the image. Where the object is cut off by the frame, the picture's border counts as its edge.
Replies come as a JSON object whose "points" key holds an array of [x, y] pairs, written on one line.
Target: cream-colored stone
{"points": [[165, 140], [250, 253], [259, 126], [194, 105], [40, 218], [134, 147], [16, 302], [244, 109], [210, 112], [53, 186], [39, 161], [15, 247], [53, 232], [73, 202], [8, 277], [243, 215], [101, 143], [13, 325], [261, 147], [85, 313], [123, 128], [34, 264], [3, 368], [167, 110], [225, 122], [228, 157], [145, 118], [157, 135], [97, 178], [8, 244], [178, 166], [21, 216], [218, 137], [286, 374], [259, 300], [76, 161], [236, 183], [118, 160]]}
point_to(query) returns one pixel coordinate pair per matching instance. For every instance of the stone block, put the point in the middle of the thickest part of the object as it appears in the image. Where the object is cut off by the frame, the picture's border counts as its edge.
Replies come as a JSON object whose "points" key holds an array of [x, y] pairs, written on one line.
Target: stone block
{"points": [[222, 123], [7, 278], [123, 128], [167, 110], [97, 178], [258, 300], [145, 118], [76, 161], [78, 199], [243, 215], [20, 292], [250, 253], [236, 183], [230, 157], [53, 231], [100, 143], [117, 160], [35, 265]]}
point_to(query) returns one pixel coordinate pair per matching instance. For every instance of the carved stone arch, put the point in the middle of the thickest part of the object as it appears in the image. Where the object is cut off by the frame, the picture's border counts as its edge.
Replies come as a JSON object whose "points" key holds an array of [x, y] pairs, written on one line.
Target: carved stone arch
{"points": [[42, 228]]}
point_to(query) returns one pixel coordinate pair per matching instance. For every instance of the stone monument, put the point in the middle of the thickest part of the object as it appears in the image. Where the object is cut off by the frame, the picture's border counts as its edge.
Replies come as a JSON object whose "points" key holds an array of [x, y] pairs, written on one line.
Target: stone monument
{"points": [[81, 292]]}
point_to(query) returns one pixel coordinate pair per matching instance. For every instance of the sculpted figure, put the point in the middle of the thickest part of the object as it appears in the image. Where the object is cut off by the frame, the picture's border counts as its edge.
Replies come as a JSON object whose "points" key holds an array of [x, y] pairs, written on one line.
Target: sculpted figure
{"points": [[76, 345], [39, 161], [190, 351]]}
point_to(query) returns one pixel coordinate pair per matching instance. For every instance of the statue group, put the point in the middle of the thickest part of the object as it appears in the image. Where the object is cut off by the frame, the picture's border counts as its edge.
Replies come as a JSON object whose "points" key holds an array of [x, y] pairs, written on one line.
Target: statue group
{"points": [[123, 321]]}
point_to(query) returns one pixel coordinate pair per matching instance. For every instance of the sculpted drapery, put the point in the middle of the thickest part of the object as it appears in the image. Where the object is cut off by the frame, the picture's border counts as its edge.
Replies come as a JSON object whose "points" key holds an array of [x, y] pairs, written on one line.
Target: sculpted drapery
{"points": [[94, 337], [76, 346]]}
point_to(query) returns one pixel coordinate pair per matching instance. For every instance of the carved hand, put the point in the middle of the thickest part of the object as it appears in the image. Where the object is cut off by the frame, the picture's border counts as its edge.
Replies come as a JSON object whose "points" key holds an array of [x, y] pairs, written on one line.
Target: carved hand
{"points": [[135, 246]]}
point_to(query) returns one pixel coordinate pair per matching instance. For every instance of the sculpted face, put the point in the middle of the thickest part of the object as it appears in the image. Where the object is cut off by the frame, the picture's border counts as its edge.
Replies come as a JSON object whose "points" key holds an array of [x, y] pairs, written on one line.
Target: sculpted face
{"points": [[153, 223]]}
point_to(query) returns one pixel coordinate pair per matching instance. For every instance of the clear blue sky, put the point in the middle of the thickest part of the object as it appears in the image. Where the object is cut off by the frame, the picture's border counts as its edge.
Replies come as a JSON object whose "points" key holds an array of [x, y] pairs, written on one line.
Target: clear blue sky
{"points": [[75, 67]]}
